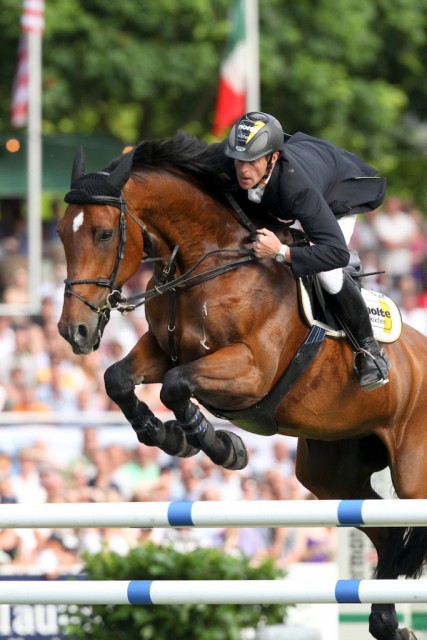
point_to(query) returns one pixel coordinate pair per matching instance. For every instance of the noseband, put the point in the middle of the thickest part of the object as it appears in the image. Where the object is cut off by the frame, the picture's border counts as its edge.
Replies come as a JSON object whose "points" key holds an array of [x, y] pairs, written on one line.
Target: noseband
{"points": [[115, 299]]}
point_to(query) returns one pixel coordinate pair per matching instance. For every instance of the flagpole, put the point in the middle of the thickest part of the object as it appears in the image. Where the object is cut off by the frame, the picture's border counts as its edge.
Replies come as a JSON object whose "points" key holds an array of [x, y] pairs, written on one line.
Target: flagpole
{"points": [[34, 167], [252, 55]]}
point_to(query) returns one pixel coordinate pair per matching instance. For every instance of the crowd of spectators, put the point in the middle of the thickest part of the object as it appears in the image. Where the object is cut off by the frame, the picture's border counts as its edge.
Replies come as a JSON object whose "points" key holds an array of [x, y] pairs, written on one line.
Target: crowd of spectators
{"points": [[39, 373], [392, 245], [115, 473]]}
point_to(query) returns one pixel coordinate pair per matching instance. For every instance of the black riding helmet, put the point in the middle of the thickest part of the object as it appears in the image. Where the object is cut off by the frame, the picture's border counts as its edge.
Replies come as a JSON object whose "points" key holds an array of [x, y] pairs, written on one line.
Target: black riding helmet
{"points": [[254, 135]]}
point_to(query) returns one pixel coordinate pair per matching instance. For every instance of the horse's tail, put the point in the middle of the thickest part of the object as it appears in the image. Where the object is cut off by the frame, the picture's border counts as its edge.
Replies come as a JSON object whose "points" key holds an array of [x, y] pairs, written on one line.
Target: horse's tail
{"points": [[404, 554]]}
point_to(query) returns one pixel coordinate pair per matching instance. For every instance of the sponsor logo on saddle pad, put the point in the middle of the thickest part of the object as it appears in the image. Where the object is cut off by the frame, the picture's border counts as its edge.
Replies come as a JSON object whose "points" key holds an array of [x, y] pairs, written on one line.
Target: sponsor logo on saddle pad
{"points": [[384, 314], [385, 317]]}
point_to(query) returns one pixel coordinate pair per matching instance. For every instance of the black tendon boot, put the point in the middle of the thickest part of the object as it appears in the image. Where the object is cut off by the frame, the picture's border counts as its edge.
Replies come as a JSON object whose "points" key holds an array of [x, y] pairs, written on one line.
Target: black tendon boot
{"points": [[370, 362]]}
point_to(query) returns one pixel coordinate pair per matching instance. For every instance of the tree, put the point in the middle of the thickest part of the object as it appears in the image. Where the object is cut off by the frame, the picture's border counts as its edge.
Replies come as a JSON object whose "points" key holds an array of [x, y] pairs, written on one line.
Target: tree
{"points": [[351, 71]]}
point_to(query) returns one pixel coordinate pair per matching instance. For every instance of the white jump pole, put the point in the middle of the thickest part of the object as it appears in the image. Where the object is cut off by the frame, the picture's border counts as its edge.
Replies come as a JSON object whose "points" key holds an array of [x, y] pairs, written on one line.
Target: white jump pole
{"points": [[170, 592], [278, 513]]}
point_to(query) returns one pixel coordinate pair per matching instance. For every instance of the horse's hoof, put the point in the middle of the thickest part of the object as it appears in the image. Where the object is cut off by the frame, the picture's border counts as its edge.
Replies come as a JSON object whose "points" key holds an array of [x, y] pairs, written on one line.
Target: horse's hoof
{"points": [[239, 456]]}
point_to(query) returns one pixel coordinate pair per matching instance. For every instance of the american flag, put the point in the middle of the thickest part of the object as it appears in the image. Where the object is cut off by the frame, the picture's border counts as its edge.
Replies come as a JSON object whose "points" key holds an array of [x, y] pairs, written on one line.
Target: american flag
{"points": [[32, 21]]}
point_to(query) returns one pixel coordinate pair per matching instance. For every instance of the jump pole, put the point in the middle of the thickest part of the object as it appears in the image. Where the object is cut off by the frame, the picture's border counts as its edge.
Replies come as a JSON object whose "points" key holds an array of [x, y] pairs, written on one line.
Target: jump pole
{"points": [[260, 513], [170, 592]]}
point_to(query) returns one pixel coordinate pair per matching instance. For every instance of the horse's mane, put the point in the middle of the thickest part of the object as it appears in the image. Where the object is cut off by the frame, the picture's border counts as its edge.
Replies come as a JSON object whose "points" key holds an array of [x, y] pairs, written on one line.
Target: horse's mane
{"points": [[185, 152]]}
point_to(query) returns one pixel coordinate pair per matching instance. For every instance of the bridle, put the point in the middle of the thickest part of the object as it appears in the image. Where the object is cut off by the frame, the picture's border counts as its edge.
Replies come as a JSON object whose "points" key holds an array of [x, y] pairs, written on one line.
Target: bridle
{"points": [[115, 299]]}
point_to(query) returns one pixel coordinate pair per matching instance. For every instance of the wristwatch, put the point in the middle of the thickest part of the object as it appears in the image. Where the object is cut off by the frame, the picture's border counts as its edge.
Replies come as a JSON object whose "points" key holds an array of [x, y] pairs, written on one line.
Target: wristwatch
{"points": [[280, 257]]}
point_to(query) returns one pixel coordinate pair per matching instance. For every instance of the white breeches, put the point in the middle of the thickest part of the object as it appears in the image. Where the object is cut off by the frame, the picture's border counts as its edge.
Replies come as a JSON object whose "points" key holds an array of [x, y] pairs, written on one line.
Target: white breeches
{"points": [[332, 281]]}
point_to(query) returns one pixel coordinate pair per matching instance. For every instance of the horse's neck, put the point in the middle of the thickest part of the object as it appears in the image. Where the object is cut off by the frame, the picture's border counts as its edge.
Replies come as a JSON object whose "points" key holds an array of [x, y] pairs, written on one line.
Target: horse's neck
{"points": [[178, 212]]}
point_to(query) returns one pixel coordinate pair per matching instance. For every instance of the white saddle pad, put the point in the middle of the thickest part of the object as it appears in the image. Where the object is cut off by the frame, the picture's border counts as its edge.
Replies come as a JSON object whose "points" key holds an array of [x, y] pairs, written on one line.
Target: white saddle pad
{"points": [[384, 314]]}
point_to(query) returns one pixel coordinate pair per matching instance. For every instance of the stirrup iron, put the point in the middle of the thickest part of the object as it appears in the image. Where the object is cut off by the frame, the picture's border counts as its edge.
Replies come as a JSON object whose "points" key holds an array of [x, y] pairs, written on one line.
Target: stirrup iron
{"points": [[380, 380]]}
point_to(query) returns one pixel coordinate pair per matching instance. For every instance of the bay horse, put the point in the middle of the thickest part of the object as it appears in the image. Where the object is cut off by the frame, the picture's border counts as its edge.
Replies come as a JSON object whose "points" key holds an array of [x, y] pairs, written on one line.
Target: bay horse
{"points": [[223, 327]]}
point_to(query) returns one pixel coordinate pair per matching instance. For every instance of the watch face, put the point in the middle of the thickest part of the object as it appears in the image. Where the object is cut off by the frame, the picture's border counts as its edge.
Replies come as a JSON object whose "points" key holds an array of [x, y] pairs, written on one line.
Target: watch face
{"points": [[279, 257]]}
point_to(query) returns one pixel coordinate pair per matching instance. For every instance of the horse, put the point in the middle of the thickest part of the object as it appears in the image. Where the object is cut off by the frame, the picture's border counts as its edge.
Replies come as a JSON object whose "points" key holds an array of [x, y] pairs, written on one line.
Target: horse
{"points": [[223, 327]]}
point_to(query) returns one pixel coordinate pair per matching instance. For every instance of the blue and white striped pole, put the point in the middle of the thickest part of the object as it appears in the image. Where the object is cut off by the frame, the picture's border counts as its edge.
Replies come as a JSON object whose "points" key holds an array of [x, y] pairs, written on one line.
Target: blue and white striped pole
{"points": [[260, 513], [192, 592]]}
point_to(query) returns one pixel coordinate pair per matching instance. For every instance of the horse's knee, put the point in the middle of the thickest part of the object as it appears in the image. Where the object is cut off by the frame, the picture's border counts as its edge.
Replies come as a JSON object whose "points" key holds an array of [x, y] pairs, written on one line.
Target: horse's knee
{"points": [[117, 382], [176, 389]]}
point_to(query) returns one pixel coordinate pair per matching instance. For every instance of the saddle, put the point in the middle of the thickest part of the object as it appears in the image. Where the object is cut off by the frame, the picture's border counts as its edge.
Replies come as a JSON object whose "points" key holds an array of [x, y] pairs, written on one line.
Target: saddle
{"points": [[384, 314]]}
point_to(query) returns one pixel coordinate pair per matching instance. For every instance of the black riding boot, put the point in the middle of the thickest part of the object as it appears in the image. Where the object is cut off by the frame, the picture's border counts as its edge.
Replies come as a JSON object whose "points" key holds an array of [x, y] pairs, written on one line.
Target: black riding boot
{"points": [[370, 362]]}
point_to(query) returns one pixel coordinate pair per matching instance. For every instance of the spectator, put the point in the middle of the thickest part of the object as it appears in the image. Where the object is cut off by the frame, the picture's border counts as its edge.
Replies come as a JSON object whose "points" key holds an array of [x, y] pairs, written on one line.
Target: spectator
{"points": [[55, 393], [7, 339], [365, 238], [26, 400], [55, 557], [17, 286], [89, 446], [412, 313], [77, 483], [25, 483], [21, 355], [141, 469], [7, 495], [315, 544], [283, 457], [10, 546], [17, 379], [102, 477], [397, 232], [229, 484], [188, 485], [419, 246], [52, 481]]}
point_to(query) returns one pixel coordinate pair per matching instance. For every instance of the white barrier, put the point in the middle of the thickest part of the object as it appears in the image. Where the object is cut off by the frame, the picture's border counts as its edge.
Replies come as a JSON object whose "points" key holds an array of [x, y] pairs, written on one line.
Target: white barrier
{"points": [[169, 592], [262, 513], [295, 513]]}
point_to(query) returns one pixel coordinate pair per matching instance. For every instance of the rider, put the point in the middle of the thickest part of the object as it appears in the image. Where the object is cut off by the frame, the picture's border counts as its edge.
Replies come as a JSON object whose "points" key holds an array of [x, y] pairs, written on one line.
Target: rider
{"points": [[322, 187]]}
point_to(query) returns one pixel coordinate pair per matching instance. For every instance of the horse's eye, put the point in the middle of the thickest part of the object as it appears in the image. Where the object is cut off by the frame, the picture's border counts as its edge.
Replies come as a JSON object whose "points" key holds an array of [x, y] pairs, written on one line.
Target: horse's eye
{"points": [[106, 235]]}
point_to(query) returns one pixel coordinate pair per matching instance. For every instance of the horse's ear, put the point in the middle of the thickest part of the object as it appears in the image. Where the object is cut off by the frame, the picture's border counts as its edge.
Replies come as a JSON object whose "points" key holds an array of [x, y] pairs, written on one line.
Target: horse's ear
{"points": [[120, 175], [79, 166]]}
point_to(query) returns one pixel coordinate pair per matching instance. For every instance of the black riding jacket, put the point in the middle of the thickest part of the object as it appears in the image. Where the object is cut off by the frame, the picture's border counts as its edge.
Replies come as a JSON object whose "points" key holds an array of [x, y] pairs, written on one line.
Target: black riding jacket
{"points": [[316, 183]]}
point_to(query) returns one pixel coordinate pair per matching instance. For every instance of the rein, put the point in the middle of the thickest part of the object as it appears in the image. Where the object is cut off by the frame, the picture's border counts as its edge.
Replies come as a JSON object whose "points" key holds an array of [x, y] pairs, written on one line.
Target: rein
{"points": [[116, 300], [186, 281]]}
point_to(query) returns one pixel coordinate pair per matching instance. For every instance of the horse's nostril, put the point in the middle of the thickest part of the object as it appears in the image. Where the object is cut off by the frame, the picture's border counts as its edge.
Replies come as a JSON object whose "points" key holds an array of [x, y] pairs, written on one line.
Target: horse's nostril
{"points": [[82, 331]]}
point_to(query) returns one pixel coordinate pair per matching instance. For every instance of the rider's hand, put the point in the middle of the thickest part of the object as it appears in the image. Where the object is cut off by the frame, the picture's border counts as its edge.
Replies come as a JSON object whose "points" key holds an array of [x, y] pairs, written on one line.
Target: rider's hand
{"points": [[267, 244]]}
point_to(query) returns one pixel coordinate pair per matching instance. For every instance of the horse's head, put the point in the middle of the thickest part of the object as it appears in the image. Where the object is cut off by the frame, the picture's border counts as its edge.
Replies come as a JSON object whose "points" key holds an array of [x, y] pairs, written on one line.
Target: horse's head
{"points": [[99, 255]]}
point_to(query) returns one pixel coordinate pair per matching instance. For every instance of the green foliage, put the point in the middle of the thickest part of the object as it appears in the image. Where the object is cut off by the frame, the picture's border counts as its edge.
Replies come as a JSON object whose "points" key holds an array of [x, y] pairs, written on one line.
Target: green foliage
{"points": [[192, 622], [351, 71]]}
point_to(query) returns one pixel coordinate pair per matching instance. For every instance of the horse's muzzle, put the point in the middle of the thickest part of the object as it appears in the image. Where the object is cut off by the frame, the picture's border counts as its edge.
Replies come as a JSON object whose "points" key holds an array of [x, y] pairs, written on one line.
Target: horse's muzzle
{"points": [[82, 337]]}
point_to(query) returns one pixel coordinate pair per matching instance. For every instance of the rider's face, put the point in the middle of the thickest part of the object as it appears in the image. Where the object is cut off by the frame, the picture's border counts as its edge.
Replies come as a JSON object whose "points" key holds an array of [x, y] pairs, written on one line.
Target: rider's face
{"points": [[250, 173]]}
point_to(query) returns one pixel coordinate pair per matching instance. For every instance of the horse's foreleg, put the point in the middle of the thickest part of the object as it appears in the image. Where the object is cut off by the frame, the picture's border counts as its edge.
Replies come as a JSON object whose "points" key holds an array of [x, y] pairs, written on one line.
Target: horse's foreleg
{"points": [[216, 379], [145, 363]]}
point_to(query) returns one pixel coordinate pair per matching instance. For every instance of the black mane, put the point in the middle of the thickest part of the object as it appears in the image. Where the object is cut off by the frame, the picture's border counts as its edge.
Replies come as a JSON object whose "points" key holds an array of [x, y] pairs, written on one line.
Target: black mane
{"points": [[185, 152]]}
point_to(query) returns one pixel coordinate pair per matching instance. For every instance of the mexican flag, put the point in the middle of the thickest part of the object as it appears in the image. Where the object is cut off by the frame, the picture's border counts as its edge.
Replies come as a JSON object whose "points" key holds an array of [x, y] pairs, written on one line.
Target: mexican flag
{"points": [[231, 98]]}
